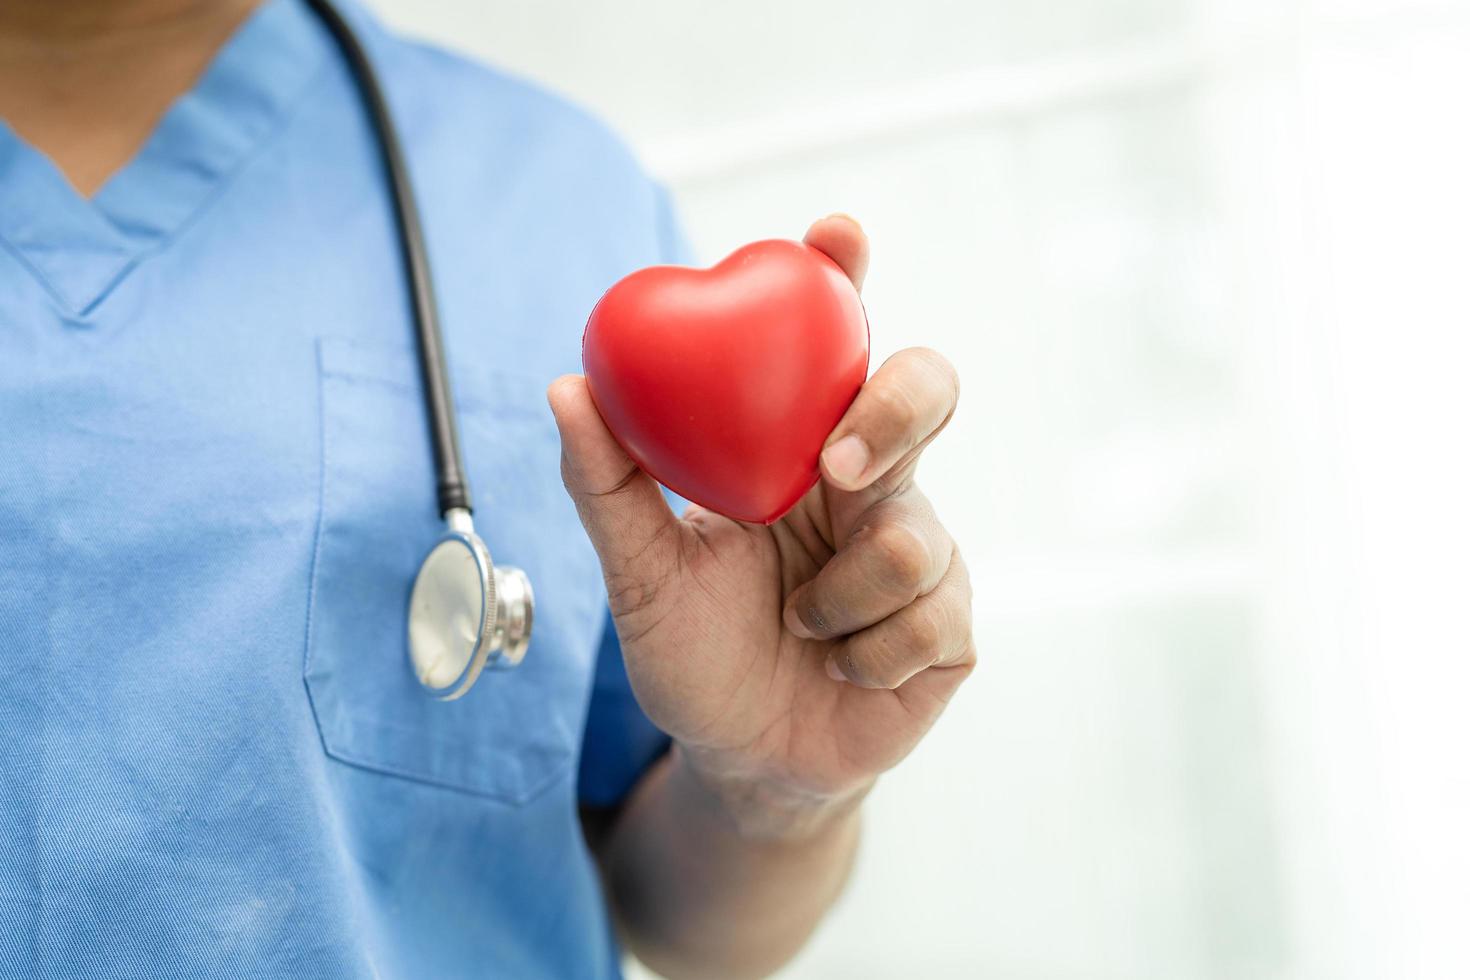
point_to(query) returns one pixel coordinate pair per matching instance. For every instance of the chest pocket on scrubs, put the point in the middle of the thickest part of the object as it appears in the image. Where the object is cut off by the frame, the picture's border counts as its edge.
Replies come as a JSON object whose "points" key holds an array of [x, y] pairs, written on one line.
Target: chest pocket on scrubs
{"points": [[517, 730]]}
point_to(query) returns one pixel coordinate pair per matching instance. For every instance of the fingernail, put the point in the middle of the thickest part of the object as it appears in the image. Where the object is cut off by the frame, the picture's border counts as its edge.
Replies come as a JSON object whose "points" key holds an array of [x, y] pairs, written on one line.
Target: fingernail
{"points": [[846, 459], [844, 216], [835, 672], [795, 625]]}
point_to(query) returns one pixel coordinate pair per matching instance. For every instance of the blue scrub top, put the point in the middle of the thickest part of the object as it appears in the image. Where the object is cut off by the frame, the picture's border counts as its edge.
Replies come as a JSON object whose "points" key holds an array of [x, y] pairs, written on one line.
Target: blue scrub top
{"points": [[215, 488]]}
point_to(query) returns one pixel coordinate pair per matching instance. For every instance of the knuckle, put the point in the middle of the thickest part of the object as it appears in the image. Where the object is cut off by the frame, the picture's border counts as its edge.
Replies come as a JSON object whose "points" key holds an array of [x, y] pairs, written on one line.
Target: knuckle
{"points": [[629, 595], [875, 666], [967, 664], [895, 407], [964, 616], [941, 381], [901, 559], [970, 659], [923, 633], [962, 569], [939, 368], [962, 598], [568, 474]]}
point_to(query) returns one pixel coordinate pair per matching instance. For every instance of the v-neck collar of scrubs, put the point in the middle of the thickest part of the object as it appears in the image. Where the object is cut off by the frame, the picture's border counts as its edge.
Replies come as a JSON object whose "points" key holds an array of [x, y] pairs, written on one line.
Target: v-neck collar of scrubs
{"points": [[81, 248]]}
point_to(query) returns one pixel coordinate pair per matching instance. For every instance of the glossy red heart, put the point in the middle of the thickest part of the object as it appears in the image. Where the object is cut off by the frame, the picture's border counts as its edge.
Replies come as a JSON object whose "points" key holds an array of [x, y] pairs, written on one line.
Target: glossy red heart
{"points": [[724, 383]]}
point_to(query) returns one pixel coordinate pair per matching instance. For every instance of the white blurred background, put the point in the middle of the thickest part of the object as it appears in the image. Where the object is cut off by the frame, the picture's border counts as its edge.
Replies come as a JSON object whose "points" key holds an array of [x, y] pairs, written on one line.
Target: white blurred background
{"points": [[1203, 267]]}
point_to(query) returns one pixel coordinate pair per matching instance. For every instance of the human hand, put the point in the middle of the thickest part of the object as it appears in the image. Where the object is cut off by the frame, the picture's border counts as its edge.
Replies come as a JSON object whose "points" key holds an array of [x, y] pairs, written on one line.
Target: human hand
{"points": [[792, 664]]}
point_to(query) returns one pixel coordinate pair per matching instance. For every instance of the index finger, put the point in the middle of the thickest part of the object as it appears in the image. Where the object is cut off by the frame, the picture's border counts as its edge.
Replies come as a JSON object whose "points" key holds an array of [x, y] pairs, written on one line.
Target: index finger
{"points": [[895, 415]]}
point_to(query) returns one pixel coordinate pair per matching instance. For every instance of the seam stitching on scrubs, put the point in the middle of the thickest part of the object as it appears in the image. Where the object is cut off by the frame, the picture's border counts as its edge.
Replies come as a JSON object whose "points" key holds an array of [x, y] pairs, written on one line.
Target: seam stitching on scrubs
{"points": [[45, 281], [503, 799], [316, 544], [511, 799]]}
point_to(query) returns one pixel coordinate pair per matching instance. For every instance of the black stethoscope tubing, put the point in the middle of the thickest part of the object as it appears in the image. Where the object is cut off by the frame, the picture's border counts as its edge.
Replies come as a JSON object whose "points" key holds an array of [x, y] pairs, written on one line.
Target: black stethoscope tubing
{"points": [[465, 614], [453, 485]]}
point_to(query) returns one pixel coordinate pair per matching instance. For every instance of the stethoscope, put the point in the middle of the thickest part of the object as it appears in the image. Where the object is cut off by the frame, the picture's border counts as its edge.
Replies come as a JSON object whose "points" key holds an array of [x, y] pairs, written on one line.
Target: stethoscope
{"points": [[464, 614]]}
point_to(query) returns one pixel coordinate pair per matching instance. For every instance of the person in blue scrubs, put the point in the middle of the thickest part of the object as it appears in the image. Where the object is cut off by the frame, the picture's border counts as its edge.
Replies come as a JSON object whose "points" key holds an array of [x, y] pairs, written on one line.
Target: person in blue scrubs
{"points": [[216, 485]]}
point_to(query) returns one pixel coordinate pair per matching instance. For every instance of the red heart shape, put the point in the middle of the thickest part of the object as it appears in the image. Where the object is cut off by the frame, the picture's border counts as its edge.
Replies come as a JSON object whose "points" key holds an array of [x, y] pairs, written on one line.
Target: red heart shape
{"points": [[723, 383]]}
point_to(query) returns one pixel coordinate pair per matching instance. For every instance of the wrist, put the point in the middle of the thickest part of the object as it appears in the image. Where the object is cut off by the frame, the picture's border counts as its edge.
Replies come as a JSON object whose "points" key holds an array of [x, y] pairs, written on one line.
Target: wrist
{"points": [[759, 806]]}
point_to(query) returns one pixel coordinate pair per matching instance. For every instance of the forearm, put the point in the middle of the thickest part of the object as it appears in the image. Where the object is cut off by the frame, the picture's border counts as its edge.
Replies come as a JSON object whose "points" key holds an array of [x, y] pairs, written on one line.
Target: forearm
{"points": [[712, 881]]}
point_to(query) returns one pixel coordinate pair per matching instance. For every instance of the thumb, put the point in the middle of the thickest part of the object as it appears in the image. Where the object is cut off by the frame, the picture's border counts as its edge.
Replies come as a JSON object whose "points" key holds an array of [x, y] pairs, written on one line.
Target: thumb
{"points": [[845, 242], [621, 506]]}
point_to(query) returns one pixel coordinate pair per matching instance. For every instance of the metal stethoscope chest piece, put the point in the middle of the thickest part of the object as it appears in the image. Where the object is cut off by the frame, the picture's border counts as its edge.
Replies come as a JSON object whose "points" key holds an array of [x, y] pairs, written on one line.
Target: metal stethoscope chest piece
{"points": [[464, 614]]}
